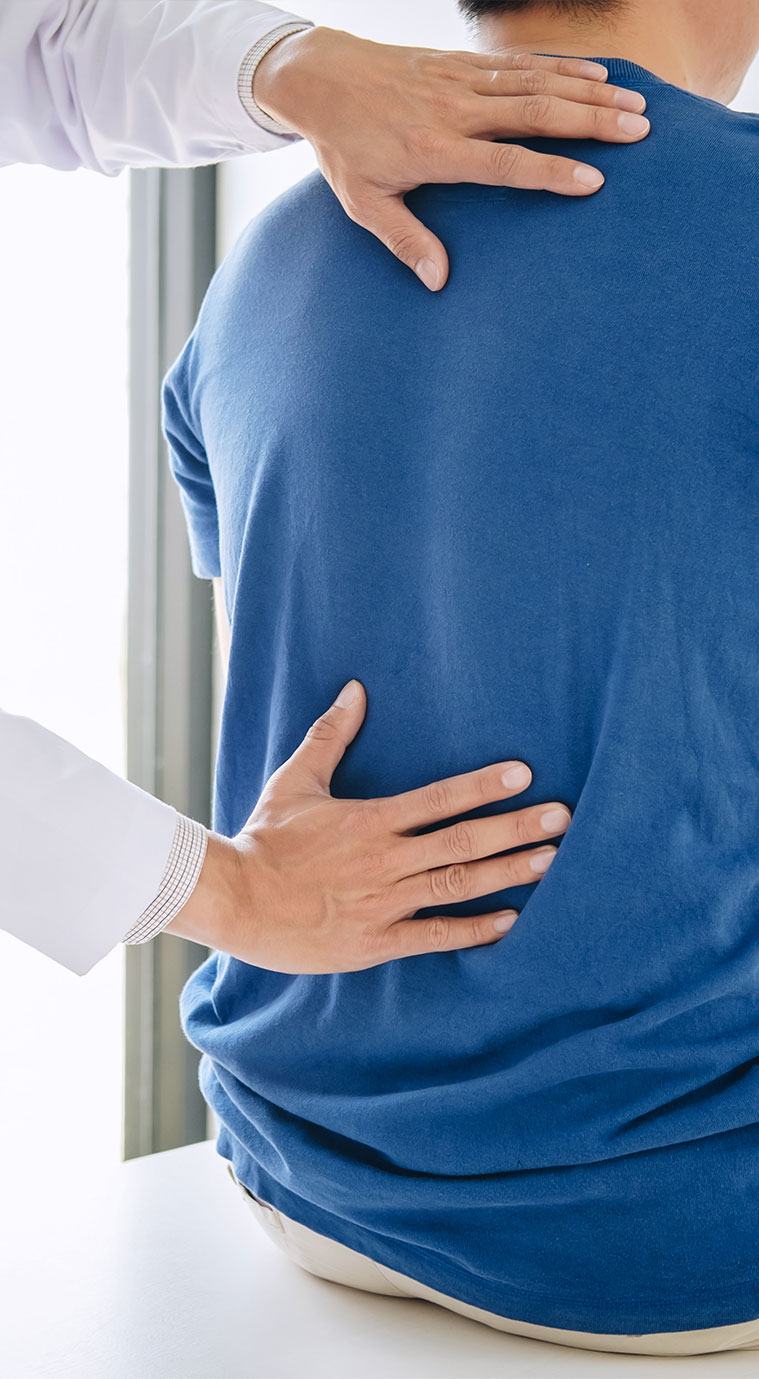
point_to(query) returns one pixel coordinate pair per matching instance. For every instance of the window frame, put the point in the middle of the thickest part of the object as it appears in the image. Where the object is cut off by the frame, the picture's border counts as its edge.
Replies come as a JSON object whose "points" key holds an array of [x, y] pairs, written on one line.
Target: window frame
{"points": [[169, 638]]}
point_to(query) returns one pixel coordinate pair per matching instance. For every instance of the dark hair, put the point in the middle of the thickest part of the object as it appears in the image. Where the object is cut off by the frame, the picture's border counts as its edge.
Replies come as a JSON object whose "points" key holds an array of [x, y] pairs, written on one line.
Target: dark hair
{"points": [[473, 9]]}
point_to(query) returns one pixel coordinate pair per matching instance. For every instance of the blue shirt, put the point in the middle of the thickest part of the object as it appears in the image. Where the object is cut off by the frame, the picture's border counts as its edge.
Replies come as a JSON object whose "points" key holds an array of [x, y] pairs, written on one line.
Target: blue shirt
{"points": [[524, 514]]}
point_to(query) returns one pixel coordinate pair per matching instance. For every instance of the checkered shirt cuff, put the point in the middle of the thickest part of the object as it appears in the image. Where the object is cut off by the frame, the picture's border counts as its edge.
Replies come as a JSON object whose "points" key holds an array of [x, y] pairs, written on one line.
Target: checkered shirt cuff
{"points": [[188, 853], [247, 72]]}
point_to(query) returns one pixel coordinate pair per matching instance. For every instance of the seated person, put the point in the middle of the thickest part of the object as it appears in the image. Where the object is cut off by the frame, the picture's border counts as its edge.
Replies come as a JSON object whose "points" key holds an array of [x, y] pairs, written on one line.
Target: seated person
{"points": [[523, 513]]}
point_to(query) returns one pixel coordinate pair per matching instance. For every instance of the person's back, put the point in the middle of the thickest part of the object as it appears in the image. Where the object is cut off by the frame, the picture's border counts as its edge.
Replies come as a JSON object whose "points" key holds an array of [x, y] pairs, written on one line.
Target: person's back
{"points": [[523, 514]]}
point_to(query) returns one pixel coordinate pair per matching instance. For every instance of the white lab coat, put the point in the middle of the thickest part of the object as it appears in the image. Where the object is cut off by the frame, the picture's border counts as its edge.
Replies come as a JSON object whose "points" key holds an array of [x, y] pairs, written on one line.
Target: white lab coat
{"points": [[104, 84]]}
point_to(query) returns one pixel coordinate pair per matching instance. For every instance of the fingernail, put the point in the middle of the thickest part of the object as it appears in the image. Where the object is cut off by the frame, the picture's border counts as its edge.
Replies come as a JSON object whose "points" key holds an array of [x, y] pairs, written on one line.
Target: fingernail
{"points": [[429, 273], [555, 820], [516, 776], [630, 100], [505, 921], [633, 124], [347, 695], [588, 177], [594, 71], [541, 861]]}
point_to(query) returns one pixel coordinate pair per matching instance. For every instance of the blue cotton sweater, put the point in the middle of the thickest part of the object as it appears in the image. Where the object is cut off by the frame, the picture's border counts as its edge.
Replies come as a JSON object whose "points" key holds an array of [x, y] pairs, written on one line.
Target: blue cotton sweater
{"points": [[523, 513]]}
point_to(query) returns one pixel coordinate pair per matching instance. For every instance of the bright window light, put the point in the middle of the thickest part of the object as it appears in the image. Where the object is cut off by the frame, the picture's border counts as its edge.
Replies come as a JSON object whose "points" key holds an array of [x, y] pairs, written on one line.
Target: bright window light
{"points": [[63, 577]]}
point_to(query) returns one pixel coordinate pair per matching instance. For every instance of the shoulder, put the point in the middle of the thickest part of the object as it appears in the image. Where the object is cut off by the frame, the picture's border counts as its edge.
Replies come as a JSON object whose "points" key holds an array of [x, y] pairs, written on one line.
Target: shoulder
{"points": [[307, 211], [310, 202], [714, 129], [303, 234], [698, 174]]}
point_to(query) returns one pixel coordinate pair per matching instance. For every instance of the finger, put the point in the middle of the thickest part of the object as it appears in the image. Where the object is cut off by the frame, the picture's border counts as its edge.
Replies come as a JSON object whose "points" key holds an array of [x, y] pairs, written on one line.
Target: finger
{"points": [[474, 838], [551, 116], [510, 165], [390, 219], [442, 799], [565, 66], [469, 881], [518, 84], [409, 938], [314, 762]]}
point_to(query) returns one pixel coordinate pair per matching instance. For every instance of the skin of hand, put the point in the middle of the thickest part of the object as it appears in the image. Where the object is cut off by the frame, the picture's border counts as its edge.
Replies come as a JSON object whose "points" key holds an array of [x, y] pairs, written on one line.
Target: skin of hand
{"points": [[385, 119], [315, 884]]}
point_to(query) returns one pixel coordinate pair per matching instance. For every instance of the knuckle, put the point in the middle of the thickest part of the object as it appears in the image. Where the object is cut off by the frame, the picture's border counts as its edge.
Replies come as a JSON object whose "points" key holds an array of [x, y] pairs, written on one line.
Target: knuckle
{"points": [[455, 880], [436, 798], [519, 60], [479, 931], [486, 787], [523, 827], [323, 730], [360, 819], [461, 841], [425, 142], [534, 82], [457, 68], [437, 932], [373, 864], [538, 111], [602, 120], [441, 62], [514, 867], [403, 244], [507, 159], [556, 172], [448, 103], [376, 903], [369, 942]]}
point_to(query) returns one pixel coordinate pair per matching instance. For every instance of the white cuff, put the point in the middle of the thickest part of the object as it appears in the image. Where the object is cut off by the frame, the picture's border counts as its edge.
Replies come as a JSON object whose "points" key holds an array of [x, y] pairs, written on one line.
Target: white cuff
{"points": [[180, 878], [247, 73]]}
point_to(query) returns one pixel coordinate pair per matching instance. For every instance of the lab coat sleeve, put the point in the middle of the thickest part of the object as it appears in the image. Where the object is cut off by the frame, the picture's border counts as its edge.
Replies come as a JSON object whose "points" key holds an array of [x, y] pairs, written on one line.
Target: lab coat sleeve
{"points": [[82, 852], [109, 84]]}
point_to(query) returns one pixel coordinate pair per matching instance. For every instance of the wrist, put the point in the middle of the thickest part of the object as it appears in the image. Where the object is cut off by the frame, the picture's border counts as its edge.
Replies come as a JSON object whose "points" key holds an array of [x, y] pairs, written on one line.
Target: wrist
{"points": [[213, 911], [285, 75]]}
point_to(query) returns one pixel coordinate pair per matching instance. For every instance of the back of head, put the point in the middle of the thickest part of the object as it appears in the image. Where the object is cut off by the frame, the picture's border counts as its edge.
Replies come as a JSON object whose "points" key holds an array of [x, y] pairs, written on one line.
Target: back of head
{"points": [[705, 46], [576, 8]]}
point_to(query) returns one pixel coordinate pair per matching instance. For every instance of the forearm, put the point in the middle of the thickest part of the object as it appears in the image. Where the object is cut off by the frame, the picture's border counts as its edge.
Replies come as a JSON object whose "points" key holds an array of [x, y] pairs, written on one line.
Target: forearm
{"points": [[126, 84], [83, 851]]}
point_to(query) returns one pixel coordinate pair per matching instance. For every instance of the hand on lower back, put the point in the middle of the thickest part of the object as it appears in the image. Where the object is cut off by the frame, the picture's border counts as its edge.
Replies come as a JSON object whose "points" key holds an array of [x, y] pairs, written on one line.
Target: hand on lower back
{"points": [[315, 884]]}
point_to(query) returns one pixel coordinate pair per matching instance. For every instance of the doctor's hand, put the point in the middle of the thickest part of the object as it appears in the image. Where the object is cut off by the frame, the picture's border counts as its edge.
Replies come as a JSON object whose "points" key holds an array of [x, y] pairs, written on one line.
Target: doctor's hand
{"points": [[315, 884], [385, 119]]}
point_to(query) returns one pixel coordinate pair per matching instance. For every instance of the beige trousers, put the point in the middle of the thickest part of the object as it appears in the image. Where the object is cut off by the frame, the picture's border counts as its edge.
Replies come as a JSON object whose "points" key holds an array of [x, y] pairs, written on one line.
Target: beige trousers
{"points": [[330, 1260]]}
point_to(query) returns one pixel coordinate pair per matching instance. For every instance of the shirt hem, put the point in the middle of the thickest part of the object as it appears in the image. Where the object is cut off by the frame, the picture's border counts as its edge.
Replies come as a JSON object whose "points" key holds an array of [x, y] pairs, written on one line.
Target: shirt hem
{"points": [[696, 1310]]}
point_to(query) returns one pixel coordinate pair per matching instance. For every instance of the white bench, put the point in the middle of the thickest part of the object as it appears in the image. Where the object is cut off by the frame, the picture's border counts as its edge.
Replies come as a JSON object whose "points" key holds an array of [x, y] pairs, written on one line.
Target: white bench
{"points": [[158, 1272]]}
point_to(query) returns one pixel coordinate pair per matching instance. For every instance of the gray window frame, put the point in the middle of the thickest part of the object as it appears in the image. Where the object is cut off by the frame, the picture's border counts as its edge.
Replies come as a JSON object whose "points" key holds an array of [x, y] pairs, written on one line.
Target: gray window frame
{"points": [[170, 638]]}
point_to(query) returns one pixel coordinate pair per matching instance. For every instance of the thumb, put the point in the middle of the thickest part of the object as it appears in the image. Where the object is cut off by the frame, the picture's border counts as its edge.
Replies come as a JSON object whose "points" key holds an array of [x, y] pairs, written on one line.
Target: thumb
{"points": [[409, 240], [315, 760]]}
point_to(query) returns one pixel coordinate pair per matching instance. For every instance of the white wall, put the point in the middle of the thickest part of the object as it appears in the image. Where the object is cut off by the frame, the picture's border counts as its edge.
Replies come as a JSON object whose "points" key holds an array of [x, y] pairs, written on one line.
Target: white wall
{"points": [[748, 97], [63, 585], [249, 184]]}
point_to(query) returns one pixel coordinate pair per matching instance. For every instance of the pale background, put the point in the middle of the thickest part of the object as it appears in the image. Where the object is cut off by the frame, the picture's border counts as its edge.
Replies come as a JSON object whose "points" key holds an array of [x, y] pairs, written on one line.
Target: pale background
{"points": [[63, 533], [63, 286]]}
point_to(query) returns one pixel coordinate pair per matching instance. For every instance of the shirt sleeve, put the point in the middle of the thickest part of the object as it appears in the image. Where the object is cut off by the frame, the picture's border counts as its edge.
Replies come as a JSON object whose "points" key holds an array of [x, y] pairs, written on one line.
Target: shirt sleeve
{"points": [[189, 464], [180, 877], [82, 852], [109, 84]]}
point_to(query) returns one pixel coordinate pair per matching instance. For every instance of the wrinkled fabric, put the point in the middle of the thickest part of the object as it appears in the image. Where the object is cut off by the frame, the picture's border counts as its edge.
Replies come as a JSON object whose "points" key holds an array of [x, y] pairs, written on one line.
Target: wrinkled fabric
{"points": [[523, 512]]}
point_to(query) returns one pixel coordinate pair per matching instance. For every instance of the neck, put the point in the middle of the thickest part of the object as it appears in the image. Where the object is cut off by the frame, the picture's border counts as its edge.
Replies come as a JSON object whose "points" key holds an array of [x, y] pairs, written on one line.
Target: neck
{"points": [[670, 49]]}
